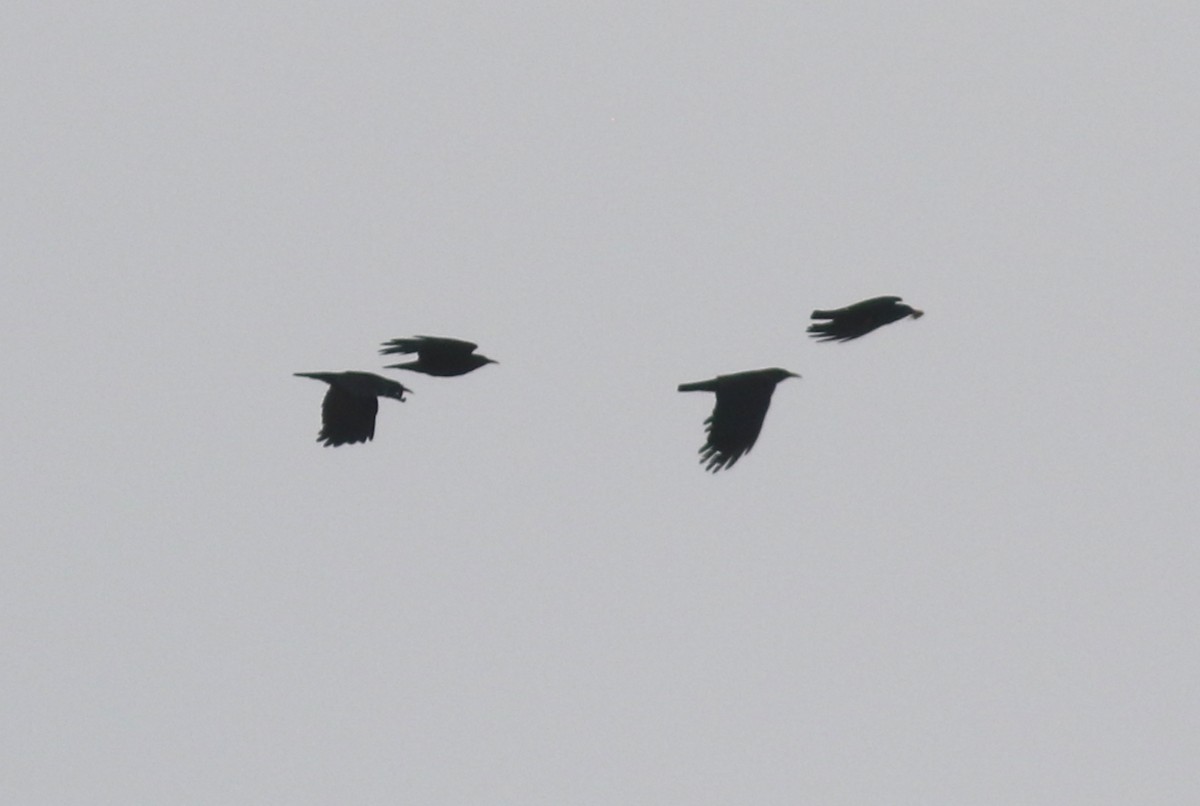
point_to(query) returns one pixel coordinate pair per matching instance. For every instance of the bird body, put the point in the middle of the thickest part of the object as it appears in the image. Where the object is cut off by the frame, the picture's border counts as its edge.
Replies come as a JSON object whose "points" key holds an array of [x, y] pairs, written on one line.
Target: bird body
{"points": [[437, 355], [737, 419], [859, 319], [351, 403]]}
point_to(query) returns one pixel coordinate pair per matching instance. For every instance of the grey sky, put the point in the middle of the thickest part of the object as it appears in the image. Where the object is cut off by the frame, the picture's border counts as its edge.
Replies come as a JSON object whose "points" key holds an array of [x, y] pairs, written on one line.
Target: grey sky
{"points": [[958, 568]]}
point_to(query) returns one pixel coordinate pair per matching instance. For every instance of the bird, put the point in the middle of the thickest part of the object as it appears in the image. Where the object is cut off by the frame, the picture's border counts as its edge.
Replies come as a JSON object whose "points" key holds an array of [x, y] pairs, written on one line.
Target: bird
{"points": [[437, 355], [860, 318], [349, 408], [742, 402]]}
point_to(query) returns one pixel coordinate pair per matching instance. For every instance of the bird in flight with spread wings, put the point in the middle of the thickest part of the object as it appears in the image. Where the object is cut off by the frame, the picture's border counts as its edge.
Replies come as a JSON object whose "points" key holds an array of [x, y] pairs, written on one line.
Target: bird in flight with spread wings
{"points": [[742, 402], [437, 355], [860, 318], [349, 408]]}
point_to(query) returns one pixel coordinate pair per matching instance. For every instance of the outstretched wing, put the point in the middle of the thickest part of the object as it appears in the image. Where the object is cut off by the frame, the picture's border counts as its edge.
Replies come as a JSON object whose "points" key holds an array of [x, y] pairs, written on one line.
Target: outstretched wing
{"points": [[735, 424], [347, 417]]}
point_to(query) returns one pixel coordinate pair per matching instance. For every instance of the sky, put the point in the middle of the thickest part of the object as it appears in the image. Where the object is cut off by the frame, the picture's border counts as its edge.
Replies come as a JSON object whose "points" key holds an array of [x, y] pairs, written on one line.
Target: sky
{"points": [[959, 566]]}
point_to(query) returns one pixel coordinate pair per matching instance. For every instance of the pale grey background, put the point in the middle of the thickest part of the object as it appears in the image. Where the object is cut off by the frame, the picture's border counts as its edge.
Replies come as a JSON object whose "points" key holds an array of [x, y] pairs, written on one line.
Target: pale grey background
{"points": [[960, 567]]}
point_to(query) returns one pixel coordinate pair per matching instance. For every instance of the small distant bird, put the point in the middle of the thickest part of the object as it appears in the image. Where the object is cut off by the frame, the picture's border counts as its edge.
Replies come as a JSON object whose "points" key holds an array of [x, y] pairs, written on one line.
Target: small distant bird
{"points": [[742, 402], [437, 355], [860, 318], [349, 408]]}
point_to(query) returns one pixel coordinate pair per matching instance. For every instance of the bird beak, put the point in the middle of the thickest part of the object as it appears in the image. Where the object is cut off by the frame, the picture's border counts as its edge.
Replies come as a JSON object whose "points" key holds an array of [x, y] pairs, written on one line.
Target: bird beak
{"points": [[794, 375], [917, 314]]}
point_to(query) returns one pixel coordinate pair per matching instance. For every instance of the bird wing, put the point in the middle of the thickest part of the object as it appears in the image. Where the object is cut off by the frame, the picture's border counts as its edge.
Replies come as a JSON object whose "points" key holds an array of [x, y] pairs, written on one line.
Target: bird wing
{"points": [[875, 303], [347, 417], [443, 342], [429, 345], [735, 424]]}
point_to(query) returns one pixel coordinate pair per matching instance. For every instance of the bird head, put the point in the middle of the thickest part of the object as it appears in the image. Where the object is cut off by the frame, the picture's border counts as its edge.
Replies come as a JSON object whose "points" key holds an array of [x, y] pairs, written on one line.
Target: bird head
{"points": [[396, 392]]}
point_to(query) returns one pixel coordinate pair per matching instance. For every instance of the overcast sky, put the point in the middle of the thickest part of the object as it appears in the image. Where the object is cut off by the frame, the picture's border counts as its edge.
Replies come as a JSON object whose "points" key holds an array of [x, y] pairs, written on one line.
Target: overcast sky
{"points": [[960, 566]]}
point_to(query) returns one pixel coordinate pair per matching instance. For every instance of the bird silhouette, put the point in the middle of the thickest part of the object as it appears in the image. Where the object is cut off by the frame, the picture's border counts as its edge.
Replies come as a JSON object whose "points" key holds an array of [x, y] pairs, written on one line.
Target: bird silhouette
{"points": [[349, 408], [437, 355], [860, 318], [737, 419]]}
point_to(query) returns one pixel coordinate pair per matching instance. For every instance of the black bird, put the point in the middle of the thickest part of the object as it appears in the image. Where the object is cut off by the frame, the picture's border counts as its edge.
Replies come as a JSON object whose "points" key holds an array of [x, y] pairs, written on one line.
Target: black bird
{"points": [[349, 408], [742, 402], [860, 318], [437, 355]]}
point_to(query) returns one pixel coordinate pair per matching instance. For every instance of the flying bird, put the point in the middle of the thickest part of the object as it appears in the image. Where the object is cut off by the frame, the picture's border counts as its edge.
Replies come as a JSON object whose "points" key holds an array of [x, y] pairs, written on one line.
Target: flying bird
{"points": [[437, 355], [349, 408], [860, 318], [742, 402]]}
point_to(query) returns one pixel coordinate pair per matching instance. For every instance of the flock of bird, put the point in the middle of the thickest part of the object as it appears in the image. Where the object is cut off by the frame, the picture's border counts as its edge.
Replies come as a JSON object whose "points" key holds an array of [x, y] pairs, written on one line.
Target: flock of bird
{"points": [[352, 400]]}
